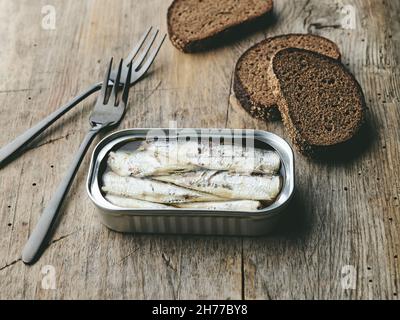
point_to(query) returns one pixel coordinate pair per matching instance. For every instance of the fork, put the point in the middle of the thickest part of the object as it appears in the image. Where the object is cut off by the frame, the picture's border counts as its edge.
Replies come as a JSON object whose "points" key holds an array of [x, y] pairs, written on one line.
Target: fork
{"points": [[108, 112], [141, 63]]}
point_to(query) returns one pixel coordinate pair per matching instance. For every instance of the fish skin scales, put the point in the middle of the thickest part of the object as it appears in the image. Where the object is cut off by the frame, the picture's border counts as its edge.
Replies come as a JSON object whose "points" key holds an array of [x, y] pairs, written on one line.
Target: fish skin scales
{"points": [[150, 190], [125, 202], [130, 203], [218, 157], [228, 185], [160, 158], [240, 205], [141, 164]]}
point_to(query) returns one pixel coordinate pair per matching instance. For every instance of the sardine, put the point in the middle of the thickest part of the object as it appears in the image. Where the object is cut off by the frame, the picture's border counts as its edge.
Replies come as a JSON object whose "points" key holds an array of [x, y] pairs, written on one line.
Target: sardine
{"points": [[241, 205], [143, 164], [228, 185], [162, 157], [150, 190], [125, 202]]}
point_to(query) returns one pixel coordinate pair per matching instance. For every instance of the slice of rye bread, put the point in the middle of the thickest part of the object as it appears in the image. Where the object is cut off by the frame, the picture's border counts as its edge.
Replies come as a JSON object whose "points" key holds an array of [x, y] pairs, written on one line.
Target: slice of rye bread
{"points": [[321, 103], [252, 79], [195, 25]]}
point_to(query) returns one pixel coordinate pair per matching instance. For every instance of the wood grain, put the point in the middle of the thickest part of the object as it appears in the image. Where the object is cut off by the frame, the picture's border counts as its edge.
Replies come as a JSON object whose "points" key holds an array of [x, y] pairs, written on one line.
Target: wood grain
{"points": [[345, 212]]}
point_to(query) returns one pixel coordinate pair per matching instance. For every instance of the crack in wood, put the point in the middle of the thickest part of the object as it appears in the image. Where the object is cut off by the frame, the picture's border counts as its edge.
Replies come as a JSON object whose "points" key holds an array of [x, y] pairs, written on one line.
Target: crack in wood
{"points": [[152, 91], [243, 293], [5, 91], [127, 256], [61, 238], [320, 26], [309, 12], [229, 99], [49, 141], [10, 264], [266, 290], [15, 90], [168, 262]]}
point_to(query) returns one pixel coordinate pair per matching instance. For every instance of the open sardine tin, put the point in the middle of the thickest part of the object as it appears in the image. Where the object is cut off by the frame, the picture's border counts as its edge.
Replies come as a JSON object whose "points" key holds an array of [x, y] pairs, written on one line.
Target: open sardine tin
{"points": [[190, 221]]}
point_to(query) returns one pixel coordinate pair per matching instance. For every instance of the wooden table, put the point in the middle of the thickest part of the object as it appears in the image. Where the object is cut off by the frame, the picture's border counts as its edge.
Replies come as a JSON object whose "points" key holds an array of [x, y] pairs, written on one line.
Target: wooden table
{"points": [[342, 239]]}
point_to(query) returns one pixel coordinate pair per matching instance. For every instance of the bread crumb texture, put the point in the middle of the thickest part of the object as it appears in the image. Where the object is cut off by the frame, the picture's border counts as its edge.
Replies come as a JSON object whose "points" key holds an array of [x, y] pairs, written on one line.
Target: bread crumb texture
{"points": [[253, 84], [321, 102]]}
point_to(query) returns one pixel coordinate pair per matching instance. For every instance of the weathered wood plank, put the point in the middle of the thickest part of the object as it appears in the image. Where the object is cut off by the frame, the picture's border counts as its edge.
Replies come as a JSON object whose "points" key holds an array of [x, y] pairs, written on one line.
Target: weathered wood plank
{"points": [[89, 260], [350, 210], [343, 215]]}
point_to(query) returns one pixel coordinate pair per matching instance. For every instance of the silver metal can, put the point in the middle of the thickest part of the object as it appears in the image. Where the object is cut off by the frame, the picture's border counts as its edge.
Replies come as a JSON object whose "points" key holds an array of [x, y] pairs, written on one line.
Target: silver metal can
{"points": [[192, 221]]}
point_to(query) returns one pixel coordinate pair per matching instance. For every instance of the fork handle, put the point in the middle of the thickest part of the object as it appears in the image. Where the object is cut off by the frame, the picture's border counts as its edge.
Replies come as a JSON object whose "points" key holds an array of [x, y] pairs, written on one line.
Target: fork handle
{"points": [[42, 230], [11, 149]]}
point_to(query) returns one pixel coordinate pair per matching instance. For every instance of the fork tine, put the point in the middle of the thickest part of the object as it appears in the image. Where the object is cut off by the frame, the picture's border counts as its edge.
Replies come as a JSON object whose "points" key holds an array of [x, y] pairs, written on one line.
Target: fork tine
{"points": [[125, 92], [146, 49], [136, 49], [104, 86], [117, 83], [150, 59]]}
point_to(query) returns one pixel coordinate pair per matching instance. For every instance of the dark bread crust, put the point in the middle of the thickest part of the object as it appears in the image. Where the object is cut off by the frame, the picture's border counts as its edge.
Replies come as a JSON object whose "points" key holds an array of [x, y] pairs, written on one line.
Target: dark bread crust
{"points": [[265, 108], [341, 138], [214, 37]]}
